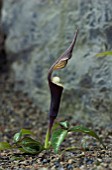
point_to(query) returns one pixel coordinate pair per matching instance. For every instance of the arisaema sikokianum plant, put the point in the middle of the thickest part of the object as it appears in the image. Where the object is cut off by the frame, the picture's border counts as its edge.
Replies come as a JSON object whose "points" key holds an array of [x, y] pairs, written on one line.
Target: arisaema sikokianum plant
{"points": [[56, 133], [56, 88]]}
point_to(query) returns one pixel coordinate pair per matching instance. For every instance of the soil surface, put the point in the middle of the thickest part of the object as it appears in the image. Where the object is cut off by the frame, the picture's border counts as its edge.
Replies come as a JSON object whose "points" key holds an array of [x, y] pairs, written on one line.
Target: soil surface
{"points": [[18, 111]]}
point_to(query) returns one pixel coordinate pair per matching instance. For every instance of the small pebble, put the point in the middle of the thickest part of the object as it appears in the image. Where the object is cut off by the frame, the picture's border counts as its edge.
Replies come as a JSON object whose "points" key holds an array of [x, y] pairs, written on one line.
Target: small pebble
{"points": [[57, 164], [70, 161], [88, 161], [44, 161], [69, 166]]}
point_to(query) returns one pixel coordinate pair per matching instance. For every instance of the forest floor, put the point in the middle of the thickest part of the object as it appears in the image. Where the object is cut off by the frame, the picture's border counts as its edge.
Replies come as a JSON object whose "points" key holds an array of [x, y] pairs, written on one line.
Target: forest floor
{"points": [[18, 111]]}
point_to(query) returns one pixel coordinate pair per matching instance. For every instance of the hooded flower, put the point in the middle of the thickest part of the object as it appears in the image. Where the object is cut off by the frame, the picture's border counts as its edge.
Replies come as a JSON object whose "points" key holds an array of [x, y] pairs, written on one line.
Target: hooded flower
{"points": [[54, 82]]}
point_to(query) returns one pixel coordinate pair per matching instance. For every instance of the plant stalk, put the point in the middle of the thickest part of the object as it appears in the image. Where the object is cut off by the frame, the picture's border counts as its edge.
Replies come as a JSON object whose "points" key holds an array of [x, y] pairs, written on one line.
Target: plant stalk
{"points": [[48, 134], [47, 139]]}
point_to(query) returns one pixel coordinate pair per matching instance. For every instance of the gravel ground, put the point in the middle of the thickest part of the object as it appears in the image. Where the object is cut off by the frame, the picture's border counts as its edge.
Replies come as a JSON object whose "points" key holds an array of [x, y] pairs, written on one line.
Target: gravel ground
{"points": [[18, 111]]}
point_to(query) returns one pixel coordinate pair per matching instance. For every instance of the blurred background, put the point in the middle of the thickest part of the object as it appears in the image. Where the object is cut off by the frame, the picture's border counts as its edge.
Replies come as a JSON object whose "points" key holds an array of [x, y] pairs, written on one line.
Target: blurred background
{"points": [[33, 34]]}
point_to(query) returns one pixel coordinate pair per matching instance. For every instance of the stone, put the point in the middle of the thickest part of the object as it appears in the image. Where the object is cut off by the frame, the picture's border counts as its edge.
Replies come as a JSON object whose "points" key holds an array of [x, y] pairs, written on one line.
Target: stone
{"points": [[38, 32]]}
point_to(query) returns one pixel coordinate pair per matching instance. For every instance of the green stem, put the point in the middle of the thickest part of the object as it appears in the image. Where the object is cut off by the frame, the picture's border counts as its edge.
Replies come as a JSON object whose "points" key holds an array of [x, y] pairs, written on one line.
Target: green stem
{"points": [[47, 138]]}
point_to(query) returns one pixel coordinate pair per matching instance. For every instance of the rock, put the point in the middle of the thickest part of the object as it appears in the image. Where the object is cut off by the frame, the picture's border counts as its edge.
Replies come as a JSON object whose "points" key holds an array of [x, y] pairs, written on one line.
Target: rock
{"points": [[39, 31], [3, 58]]}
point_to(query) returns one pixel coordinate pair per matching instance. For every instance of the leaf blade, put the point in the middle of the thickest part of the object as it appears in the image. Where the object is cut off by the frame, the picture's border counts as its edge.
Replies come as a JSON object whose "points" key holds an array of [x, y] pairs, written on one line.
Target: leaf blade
{"points": [[5, 145], [64, 124], [104, 54], [17, 137], [30, 145], [58, 137], [86, 131], [26, 132]]}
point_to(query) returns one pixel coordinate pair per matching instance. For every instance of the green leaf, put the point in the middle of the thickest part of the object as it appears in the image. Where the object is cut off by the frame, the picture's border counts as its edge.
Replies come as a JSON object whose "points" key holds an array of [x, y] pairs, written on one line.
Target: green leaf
{"points": [[26, 132], [32, 148], [22, 150], [64, 124], [58, 137], [15, 158], [104, 54], [17, 137], [26, 140], [5, 145], [30, 145], [55, 126], [87, 131]]}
